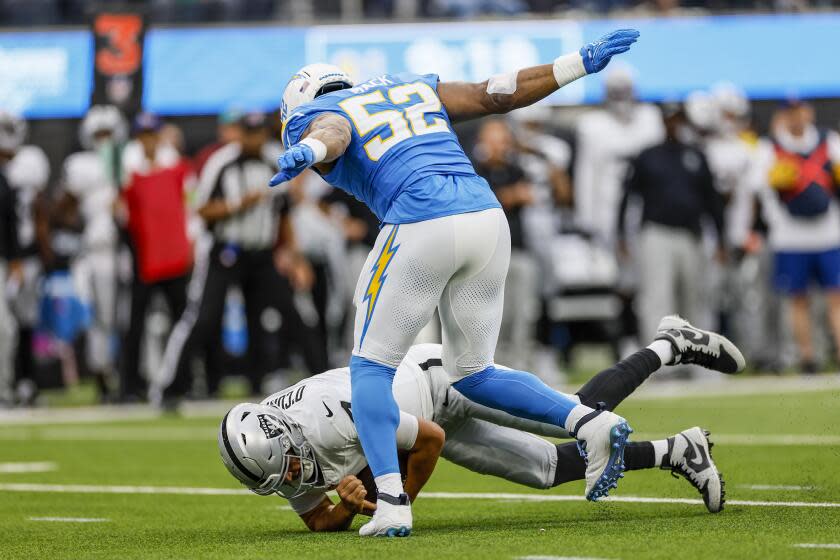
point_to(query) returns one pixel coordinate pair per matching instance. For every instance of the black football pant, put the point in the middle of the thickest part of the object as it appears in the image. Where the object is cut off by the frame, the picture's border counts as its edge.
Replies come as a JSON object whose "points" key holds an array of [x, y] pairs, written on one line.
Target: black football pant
{"points": [[274, 325], [174, 290]]}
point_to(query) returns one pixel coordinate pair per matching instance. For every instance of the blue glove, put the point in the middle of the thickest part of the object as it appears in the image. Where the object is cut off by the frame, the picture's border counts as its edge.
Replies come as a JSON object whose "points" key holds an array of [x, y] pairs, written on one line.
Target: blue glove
{"points": [[292, 163], [597, 55]]}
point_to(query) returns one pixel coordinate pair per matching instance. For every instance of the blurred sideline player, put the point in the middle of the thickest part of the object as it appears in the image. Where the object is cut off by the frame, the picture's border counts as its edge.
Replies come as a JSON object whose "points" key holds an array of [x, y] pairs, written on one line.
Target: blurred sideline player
{"points": [[301, 442], [445, 244], [796, 177], [607, 139], [93, 177], [27, 172]]}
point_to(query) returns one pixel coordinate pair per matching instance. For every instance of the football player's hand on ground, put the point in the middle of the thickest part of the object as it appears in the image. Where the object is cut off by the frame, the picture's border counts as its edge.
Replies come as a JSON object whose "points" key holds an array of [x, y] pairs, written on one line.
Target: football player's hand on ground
{"points": [[352, 492], [597, 55], [292, 163]]}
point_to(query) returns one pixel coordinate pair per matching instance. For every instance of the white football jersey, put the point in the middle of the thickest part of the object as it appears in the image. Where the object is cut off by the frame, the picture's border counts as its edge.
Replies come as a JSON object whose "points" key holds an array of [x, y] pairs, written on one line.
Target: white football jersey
{"points": [[321, 406], [87, 178], [605, 145], [28, 173], [730, 161]]}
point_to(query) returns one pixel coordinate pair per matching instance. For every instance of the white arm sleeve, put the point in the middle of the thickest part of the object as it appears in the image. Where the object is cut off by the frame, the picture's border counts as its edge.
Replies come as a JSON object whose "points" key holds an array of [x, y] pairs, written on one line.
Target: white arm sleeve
{"points": [[407, 431]]}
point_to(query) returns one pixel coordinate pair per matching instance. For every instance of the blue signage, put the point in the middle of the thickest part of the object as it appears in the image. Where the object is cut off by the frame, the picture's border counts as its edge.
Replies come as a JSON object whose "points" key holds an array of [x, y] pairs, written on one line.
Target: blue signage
{"points": [[206, 70], [46, 74]]}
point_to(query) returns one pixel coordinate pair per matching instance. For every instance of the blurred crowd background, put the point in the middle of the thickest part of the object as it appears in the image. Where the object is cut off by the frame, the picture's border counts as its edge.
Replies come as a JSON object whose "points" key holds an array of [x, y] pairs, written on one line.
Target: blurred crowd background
{"points": [[57, 12], [146, 256]]}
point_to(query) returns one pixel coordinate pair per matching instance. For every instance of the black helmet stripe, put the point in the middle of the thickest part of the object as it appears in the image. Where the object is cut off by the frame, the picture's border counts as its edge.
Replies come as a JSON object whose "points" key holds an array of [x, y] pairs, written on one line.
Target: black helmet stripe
{"points": [[233, 456]]}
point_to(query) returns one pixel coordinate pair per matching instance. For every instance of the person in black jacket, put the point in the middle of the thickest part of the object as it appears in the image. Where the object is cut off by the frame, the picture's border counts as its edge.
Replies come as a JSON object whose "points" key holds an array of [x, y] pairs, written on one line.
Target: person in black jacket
{"points": [[674, 186], [9, 266]]}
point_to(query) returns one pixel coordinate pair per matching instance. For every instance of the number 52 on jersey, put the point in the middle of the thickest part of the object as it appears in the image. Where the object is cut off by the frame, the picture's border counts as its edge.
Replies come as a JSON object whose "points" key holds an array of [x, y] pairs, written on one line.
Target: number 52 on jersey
{"points": [[402, 121]]}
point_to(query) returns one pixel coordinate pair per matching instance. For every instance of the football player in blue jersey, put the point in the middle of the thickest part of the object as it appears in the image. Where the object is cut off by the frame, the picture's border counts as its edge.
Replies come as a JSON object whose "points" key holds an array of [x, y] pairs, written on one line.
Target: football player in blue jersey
{"points": [[444, 243]]}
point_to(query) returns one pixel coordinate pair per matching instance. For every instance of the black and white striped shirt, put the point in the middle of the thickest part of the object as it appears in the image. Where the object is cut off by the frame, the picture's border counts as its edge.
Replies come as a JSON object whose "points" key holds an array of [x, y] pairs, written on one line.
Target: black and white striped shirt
{"points": [[229, 175]]}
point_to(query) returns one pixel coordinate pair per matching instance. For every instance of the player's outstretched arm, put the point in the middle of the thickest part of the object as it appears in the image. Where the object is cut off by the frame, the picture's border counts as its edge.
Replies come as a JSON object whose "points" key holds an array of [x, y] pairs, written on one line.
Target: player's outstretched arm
{"points": [[505, 92], [323, 142]]}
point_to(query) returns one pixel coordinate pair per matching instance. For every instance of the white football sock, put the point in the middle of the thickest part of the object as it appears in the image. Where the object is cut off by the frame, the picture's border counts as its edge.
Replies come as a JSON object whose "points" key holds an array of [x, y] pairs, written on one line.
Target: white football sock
{"points": [[390, 484], [660, 449], [663, 349], [575, 415]]}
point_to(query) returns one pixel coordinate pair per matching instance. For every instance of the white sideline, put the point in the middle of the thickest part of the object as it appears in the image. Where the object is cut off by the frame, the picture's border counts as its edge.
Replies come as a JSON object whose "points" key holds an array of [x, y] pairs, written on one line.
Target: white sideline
{"points": [[94, 489], [817, 545], [40, 466], [71, 519]]}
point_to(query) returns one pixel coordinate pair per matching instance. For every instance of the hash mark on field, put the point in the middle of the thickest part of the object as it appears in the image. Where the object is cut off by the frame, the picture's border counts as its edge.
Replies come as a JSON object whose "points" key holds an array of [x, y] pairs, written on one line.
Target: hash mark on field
{"points": [[775, 487], [41, 466], [71, 519], [558, 558], [817, 545]]}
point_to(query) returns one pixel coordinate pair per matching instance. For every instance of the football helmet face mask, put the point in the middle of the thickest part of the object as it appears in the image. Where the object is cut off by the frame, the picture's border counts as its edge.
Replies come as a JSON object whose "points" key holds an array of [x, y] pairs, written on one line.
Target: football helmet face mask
{"points": [[310, 82], [260, 446]]}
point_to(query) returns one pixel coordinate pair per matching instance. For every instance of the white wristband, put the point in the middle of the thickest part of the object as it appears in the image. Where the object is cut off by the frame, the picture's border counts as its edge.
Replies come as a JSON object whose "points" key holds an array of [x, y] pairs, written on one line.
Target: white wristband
{"points": [[318, 148], [568, 68]]}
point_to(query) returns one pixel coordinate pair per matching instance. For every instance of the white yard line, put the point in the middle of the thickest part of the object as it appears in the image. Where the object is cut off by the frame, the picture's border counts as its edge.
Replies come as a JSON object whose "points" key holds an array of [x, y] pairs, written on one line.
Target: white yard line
{"points": [[94, 489], [833, 546], [109, 433], [71, 519], [753, 440], [42, 466]]}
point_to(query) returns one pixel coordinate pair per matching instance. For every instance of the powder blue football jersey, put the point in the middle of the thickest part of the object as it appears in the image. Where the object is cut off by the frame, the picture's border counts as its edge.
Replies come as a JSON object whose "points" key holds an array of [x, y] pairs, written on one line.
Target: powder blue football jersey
{"points": [[404, 161]]}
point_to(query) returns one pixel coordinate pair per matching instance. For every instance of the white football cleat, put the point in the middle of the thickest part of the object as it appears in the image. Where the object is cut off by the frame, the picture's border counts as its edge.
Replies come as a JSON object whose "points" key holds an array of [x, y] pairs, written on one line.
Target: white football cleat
{"points": [[690, 456], [391, 519], [601, 437], [696, 346]]}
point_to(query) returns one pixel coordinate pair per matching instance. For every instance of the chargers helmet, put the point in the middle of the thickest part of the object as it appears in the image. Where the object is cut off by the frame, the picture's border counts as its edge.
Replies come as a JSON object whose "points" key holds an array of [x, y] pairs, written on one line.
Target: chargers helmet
{"points": [[310, 82], [257, 444], [12, 131], [102, 118]]}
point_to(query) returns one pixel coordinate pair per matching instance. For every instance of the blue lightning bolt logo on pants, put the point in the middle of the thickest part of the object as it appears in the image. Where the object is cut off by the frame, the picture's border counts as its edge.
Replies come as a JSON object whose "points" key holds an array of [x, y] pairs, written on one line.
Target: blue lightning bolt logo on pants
{"points": [[378, 277]]}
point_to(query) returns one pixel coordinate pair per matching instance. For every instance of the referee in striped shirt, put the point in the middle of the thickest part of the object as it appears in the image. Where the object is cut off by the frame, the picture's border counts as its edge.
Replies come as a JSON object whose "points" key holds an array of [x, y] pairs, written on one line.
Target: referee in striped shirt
{"points": [[245, 221]]}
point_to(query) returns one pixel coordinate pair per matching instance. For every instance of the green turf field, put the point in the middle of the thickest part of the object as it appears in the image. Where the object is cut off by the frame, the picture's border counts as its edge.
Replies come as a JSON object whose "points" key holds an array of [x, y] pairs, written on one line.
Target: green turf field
{"points": [[774, 448]]}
